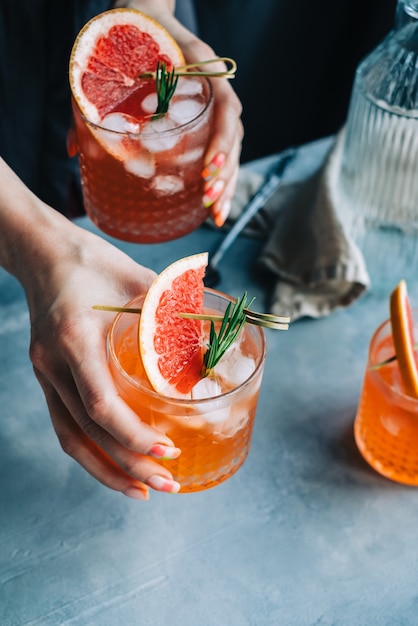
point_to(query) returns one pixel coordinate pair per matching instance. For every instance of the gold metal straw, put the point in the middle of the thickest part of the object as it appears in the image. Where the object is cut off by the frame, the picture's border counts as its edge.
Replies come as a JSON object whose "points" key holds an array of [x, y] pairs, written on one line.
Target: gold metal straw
{"points": [[258, 320], [185, 70], [267, 320]]}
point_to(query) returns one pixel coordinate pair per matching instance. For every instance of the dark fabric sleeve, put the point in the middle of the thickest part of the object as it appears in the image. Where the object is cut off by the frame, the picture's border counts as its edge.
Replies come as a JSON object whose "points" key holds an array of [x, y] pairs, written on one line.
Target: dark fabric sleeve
{"points": [[36, 37], [22, 85], [296, 61]]}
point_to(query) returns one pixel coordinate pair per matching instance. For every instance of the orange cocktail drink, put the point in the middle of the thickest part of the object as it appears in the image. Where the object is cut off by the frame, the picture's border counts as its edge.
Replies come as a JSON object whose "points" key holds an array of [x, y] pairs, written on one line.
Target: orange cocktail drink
{"points": [[386, 425], [214, 433]]}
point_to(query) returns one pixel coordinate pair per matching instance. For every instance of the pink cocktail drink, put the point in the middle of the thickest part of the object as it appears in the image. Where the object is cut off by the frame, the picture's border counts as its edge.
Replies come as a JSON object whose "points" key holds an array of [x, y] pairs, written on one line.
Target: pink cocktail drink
{"points": [[141, 175]]}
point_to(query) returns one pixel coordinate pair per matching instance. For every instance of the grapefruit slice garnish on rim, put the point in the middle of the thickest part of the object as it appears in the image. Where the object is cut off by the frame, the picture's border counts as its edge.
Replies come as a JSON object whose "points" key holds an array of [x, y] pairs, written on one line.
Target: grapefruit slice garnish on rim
{"points": [[171, 346], [109, 54], [403, 337]]}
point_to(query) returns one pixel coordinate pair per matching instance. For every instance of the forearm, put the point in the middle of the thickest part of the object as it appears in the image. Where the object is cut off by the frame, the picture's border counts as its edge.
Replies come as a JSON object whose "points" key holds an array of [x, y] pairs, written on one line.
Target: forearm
{"points": [[30, 231]]}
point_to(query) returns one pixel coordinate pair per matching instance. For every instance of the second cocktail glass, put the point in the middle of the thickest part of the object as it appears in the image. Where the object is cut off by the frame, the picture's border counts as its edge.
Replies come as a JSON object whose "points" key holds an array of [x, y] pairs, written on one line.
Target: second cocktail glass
{"points": [[142, 181], [386, 425]]}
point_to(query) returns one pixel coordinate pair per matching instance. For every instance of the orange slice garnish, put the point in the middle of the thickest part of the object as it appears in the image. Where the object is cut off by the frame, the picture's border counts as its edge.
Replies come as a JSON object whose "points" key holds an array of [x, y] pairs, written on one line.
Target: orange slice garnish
{"points": [[403, 337]]}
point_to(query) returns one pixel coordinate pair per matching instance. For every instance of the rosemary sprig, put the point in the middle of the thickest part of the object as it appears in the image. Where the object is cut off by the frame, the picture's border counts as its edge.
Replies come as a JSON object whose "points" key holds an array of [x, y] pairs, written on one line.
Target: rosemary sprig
{"points": [[233, 321], [166, 83]]}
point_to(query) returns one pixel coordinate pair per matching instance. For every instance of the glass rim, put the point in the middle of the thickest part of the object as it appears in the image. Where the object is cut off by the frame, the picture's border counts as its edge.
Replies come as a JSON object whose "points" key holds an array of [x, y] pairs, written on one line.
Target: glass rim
{"points": [[163, 133], [375, 372], [186, 401]]}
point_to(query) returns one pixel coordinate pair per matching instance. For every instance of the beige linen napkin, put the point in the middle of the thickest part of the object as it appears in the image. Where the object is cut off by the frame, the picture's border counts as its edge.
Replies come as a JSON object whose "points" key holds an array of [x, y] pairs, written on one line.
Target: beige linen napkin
{"points": [[315, 264]]}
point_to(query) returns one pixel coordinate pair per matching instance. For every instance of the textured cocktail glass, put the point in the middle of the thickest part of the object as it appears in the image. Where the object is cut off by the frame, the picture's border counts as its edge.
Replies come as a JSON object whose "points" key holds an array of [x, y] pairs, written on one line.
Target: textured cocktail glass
{"points": [[147, 186], [386, 425], [214, 434]]}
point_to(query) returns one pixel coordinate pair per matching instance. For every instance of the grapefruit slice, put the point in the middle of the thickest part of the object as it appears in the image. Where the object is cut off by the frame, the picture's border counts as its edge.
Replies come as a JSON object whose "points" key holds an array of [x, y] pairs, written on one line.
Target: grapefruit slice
{"points": [[403, 337], [109, 54], [171, 346]]}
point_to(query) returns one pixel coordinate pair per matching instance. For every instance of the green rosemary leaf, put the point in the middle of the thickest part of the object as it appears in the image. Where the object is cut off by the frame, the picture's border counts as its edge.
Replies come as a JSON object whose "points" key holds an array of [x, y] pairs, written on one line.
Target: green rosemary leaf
{"points": [[231, 326], [166, 83], [225, 322]]}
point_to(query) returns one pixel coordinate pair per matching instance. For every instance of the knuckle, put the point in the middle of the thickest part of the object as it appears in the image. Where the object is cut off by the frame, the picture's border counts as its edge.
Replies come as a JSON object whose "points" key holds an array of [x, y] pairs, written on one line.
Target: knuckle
{"points": [[94, 431], [68, 443], [69, 331], [60, 338], [241, 133], [196, 49], [236, 105], [134, 442], [90, 429], [100, 421], [38, 353], [131, 466], [98, 408]]}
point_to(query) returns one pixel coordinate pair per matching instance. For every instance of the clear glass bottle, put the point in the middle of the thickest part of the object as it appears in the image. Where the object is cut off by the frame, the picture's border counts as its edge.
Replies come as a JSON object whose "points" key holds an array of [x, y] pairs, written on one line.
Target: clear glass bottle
{"points": [[377, 184]]}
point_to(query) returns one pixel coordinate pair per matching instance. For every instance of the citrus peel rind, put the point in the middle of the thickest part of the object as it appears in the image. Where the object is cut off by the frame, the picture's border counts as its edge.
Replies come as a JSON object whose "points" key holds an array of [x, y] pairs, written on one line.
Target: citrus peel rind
{"points": [[403, 337], [108, 55], [171, 346]]}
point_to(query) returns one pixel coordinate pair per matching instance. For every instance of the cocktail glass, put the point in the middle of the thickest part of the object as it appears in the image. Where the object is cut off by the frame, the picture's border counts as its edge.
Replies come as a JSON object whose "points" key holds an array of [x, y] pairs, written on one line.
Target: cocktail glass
{"points": [[141, 177], [214, 434], [386, 424]]}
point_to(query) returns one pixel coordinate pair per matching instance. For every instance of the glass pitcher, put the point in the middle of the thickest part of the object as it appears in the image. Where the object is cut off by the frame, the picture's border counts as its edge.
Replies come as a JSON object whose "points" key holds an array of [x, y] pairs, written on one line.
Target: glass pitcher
{"points": [[377, 184]]}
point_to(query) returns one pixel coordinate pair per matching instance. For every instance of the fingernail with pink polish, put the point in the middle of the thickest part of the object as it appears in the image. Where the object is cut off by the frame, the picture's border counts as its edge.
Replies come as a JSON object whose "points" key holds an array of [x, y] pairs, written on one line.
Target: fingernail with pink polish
{"points": [[214, 166], [164, 484], [164, 452], [213, 193]]}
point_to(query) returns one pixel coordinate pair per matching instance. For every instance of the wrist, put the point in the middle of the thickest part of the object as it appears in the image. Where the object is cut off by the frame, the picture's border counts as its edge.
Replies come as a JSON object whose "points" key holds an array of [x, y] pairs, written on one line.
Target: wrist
{"points": [[31, 232]]}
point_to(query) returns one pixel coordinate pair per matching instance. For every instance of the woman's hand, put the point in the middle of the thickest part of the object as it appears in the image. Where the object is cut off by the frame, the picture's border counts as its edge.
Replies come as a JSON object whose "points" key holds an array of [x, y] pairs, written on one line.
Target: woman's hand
{"points": [[93, 424], [65, 270], [224, 150], [222, 157]]}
